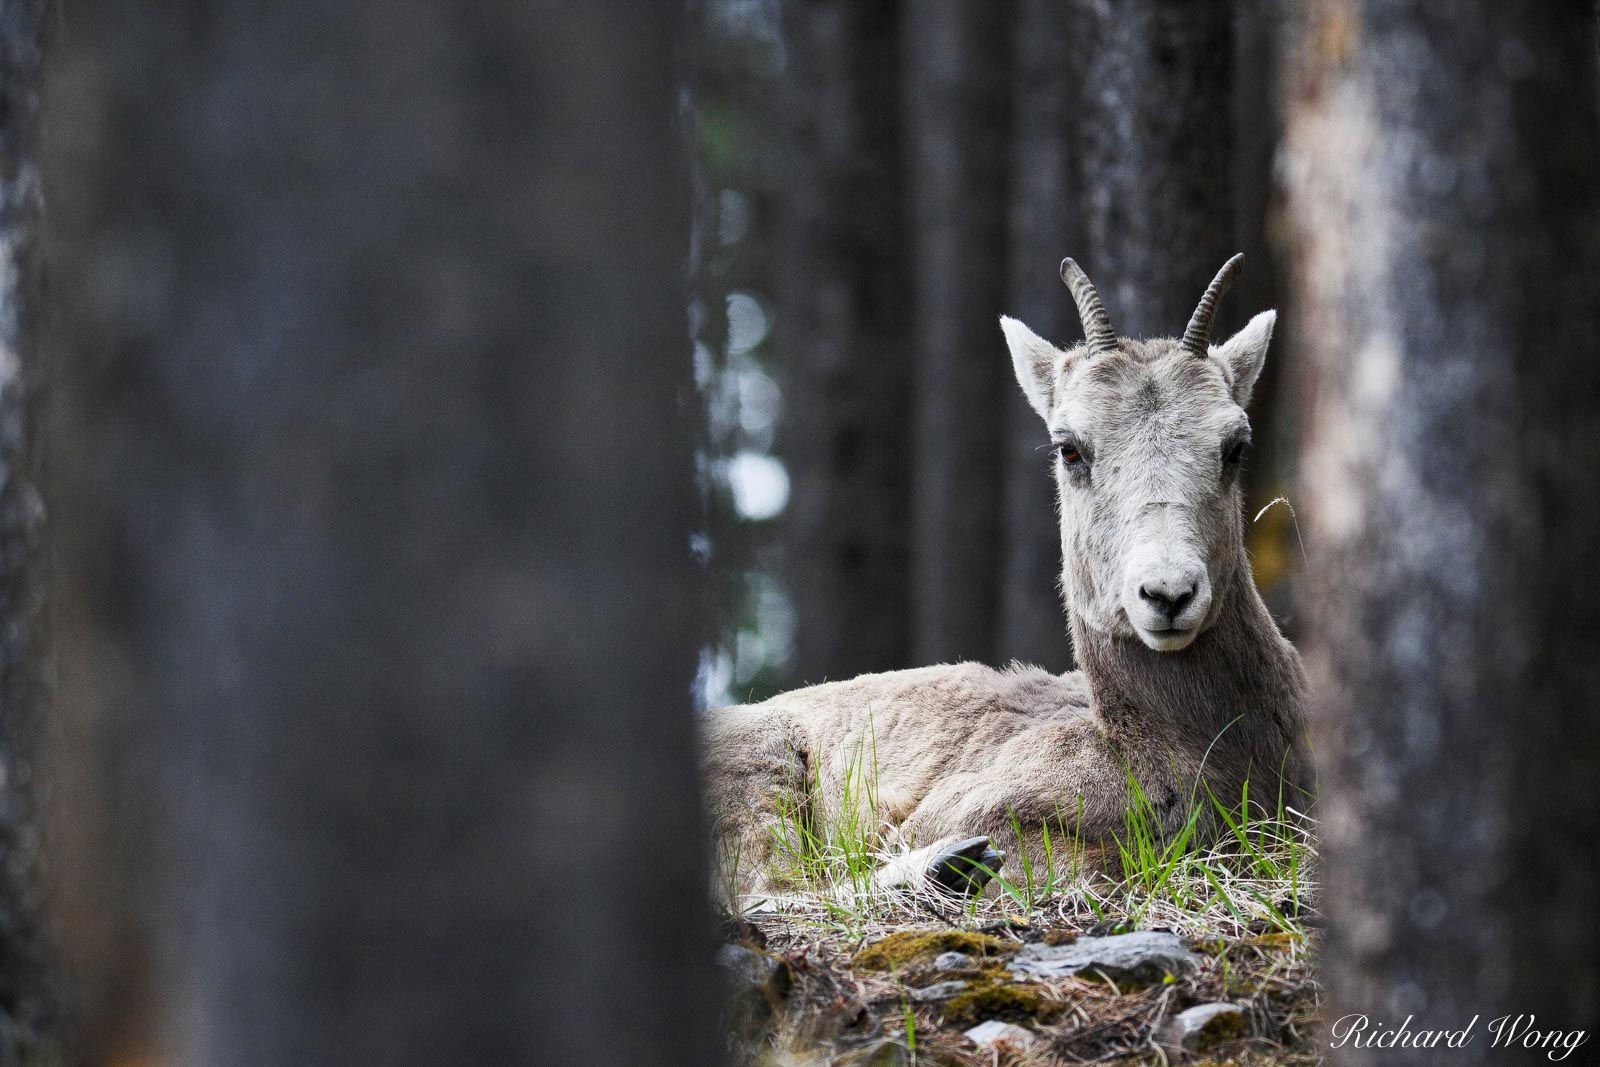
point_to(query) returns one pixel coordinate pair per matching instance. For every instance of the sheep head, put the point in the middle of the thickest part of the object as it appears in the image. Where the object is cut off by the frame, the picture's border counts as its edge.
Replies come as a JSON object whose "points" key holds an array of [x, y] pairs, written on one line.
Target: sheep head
{"points": [[1148, 438]]}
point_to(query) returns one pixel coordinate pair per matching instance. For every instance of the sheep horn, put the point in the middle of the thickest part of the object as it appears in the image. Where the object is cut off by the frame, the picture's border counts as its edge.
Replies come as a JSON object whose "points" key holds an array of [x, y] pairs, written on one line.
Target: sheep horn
{"points": [[1096, 323], [1197, 335]]}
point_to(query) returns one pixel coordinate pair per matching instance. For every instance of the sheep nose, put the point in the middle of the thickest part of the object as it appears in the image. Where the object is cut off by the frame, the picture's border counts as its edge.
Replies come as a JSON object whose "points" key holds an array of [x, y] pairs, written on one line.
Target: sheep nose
{"points": [[1168, 598]]}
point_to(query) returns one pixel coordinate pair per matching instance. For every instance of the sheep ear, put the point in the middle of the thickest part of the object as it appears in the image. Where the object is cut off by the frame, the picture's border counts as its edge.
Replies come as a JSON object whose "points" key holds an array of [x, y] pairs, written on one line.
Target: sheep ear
{"points": [[1036, 362], [1243, 355]]}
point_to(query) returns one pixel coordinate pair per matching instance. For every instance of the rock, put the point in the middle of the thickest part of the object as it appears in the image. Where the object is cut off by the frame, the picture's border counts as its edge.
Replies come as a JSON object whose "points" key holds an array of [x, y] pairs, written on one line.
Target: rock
{"points": [[1141, 958], [938, 991], [952, 961], [1202, 1027], [737, 930], [756, 980], [909, 949], [988, 998], [995, 1032], [1011, 925]]}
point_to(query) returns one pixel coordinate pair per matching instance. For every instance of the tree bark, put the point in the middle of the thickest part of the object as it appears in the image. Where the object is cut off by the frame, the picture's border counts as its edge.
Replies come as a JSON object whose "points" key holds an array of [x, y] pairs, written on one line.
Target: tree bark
{"points": [[27, 1001], [373, 497], [1155, 151], [1042, 228], [1448, 257], [957, 92], [844, 340]]}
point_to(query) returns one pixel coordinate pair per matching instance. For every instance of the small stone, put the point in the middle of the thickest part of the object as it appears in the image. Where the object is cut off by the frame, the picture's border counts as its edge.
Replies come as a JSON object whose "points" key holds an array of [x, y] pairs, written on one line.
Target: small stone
{"points": [[756, 979], [995, 1032], [737, 930], [938, 991], [1202, 1027], [952, 961], [1141, 958]]}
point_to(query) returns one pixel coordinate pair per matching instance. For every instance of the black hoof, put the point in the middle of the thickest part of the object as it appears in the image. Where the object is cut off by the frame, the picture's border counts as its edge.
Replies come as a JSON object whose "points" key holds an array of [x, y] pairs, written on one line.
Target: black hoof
{"points": [[965, 867]]}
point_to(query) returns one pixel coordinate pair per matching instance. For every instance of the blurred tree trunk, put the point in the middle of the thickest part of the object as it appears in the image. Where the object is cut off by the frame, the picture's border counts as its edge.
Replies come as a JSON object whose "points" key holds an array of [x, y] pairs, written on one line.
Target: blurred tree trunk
{"points": [[1156, 156], [1448, 219], [1042, 229], [957, 89], [26, 1003], [373, 500], [845, 340]]}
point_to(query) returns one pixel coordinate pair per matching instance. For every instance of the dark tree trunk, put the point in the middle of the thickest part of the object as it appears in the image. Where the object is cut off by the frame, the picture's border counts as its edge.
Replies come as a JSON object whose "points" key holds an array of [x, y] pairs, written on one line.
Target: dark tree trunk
{"points": [[844, 340], [1275, 554], [26, 1001], [957, 91], [1155, 153], [1258, 207], [1257, 120], [373, 497], [1448, 219], [1042, 228]]}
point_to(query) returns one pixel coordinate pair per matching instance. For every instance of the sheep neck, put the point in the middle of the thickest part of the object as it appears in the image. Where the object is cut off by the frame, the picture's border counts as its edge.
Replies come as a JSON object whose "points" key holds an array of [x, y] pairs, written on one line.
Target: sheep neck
{"points": [[1233, 697]]}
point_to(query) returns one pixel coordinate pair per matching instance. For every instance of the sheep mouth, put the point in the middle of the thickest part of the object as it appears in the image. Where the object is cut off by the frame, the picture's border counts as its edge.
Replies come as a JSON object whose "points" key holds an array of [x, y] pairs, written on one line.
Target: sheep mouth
{"points": [[1167, 639]]}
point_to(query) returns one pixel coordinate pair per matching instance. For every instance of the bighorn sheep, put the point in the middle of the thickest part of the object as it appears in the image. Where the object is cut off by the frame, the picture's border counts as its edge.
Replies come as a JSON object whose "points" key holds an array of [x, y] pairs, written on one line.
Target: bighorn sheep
{"points": [[1185, 677]]}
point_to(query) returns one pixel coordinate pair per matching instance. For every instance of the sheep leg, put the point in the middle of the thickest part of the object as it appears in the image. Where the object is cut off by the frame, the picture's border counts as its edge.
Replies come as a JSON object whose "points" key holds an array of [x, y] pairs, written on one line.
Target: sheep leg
{"points": [[960, 866]]}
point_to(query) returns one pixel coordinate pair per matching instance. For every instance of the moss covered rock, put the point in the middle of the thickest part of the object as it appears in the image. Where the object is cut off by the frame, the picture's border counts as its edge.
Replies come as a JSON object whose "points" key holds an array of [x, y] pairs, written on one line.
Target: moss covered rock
{"points": [[910, 949], [995, 996], [1203, 1027]]}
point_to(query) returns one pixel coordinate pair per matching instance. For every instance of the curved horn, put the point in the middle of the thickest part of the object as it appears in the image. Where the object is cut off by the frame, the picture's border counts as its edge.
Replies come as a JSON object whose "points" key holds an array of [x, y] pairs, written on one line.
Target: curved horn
{"points": [[1096, 323], [1197, 335]]}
